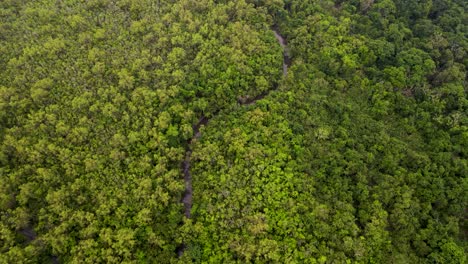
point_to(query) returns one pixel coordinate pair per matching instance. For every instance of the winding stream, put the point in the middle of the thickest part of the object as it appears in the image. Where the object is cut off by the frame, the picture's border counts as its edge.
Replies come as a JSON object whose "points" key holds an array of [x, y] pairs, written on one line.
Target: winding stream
{"points": [[286, 58], [187, 197]]}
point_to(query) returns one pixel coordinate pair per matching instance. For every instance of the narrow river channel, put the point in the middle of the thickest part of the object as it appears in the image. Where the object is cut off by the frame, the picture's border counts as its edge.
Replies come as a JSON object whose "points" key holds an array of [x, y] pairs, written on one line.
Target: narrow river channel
{"points": [[186, 164]]}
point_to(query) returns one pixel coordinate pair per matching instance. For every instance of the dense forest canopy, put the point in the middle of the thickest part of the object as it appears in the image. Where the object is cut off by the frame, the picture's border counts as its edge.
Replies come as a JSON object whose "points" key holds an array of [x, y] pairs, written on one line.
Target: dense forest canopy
{"points": [[357, 155]]}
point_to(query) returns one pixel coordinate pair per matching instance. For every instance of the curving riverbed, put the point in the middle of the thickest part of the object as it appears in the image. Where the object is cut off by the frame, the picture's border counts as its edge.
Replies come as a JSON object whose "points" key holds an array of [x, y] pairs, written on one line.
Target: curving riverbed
{"points": [[187, 197], [286, 58]]}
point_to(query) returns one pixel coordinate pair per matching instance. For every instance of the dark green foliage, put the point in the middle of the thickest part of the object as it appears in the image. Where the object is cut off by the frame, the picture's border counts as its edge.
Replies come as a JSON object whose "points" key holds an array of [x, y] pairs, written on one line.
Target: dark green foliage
{"points": [[358, 155]]}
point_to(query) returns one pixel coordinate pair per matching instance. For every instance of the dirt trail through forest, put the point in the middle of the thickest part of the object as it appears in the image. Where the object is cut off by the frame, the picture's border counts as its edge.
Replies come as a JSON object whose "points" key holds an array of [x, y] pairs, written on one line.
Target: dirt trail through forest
{"points": [[186, 164]]}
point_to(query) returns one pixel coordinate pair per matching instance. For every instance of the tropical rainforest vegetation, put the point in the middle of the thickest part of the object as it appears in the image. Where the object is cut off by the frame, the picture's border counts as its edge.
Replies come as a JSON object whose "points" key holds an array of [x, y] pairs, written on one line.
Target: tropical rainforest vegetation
{"points": [[357, 155]]}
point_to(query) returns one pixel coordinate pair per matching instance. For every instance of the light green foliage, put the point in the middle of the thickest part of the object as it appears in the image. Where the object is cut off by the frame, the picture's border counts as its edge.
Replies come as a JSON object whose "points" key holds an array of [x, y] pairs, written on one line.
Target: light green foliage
{"points": [[98, 99]]}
